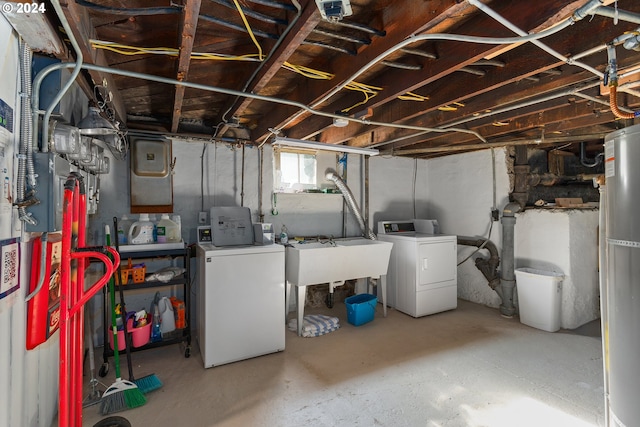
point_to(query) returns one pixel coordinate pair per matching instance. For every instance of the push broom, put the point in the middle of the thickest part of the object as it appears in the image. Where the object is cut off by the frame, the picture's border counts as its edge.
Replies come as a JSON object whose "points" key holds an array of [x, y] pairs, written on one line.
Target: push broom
{"points": [[122, 394], [147, 383]]}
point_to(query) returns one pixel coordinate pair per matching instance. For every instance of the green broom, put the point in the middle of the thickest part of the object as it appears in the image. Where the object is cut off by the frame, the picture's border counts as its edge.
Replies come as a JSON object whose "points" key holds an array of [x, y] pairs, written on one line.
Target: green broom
{"points": [[122, 394], [150, 382]]}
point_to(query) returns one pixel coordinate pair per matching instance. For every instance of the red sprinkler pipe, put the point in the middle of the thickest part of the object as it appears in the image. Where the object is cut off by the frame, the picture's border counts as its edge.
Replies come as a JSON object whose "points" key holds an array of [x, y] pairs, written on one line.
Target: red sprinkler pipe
{"points": [[73, 297]]}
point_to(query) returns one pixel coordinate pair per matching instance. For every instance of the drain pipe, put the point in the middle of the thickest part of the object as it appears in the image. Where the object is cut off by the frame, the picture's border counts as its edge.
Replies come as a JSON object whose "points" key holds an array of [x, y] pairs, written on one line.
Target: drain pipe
{"points": [[333, 176], [487, 266], [508, 279]]}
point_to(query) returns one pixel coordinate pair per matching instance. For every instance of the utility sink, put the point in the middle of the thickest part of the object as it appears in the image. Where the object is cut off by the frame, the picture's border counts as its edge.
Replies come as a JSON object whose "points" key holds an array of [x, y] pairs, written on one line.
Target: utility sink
{"points": [[336, 260], [333, 262]]}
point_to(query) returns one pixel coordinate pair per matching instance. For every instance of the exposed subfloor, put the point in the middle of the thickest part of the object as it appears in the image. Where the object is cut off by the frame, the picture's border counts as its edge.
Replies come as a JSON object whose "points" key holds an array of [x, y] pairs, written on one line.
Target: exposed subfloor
{"points": [[469, 367]]}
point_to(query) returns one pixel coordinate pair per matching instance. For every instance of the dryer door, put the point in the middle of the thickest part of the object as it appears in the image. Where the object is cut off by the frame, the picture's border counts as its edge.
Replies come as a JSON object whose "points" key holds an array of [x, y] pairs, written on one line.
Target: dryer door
{"points": [[436, 264]]}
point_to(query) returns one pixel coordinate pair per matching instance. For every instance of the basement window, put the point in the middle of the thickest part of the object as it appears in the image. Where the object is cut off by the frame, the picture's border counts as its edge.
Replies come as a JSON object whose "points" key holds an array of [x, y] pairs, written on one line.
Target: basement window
{"points": [[299, 170], [295, 170]]}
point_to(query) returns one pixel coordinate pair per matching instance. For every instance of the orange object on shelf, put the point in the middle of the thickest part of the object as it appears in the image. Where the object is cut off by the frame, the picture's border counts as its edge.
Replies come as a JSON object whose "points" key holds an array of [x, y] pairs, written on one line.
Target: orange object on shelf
{"points": [[179, 312], [139, 272]]}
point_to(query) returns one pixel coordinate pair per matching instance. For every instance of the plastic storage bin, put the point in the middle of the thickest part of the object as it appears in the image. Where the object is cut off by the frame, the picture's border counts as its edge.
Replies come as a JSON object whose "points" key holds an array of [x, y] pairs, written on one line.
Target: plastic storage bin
{"points": [[539, 298], [361, 308]]}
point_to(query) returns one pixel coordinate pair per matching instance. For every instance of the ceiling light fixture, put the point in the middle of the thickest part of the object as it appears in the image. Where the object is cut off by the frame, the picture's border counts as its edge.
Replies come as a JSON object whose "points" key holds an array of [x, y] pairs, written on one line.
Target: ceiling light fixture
{"points": [[299, 143], [340, 122], [94, 124]]}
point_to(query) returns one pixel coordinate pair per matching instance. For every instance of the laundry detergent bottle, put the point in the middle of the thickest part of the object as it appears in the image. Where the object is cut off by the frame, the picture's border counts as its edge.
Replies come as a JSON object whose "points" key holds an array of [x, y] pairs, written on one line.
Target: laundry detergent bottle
{"points": [[123, 230], [167, 230], [141, 231]]}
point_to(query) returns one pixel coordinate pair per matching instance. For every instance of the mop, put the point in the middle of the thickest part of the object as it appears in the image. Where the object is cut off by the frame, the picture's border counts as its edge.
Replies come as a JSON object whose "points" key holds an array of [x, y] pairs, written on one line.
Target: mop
{"points": [[122, 394], [147, 383]]}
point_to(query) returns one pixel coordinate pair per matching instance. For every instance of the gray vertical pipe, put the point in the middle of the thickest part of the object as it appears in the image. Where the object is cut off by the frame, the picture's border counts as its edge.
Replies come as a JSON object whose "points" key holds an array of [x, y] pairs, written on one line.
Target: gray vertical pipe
{"points": [[507, 274]]}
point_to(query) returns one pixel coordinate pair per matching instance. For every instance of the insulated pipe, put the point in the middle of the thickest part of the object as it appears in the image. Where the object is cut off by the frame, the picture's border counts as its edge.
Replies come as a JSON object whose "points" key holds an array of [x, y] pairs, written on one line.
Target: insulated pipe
{"points": [[508, 279], [333, 176]]}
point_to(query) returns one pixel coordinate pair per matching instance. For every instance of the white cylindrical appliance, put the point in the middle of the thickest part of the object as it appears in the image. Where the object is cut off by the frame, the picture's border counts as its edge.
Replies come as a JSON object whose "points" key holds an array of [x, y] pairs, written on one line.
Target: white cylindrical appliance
{"points": [[621, 314]]}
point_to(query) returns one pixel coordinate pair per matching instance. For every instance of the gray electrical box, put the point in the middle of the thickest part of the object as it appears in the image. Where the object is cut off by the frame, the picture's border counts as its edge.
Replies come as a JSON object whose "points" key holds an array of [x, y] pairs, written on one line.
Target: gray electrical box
{"points": [[151, 176], [52, 172]]}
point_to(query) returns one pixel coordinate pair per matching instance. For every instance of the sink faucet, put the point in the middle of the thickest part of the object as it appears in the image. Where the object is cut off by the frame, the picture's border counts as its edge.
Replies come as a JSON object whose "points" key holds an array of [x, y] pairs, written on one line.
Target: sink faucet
{"points": [[330, 241]]}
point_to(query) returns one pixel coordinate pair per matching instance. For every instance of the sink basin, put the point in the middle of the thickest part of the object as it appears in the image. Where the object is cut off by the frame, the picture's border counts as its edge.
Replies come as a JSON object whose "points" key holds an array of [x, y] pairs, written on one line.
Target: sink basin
{"points": [[315, 263], [334, 262]]}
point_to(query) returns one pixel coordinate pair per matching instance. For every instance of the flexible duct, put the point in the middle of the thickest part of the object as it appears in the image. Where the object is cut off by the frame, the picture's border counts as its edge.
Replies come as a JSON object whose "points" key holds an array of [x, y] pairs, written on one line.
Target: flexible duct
{"points": [[613, 102], [25, 157], [333, 176]]}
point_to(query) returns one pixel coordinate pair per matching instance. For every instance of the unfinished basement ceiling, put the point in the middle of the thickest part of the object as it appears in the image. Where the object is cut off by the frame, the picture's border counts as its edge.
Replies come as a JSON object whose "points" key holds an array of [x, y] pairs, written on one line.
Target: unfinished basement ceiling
{"points": [[284, 50]]}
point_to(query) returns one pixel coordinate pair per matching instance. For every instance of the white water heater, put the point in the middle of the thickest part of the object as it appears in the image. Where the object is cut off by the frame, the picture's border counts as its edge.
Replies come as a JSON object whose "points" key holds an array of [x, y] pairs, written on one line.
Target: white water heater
{"points": [[620, 289]]}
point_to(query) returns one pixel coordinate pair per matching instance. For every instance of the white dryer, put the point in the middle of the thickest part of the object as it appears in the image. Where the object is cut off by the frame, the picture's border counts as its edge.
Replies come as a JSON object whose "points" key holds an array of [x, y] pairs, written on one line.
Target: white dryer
{"points": [[422, 277]]}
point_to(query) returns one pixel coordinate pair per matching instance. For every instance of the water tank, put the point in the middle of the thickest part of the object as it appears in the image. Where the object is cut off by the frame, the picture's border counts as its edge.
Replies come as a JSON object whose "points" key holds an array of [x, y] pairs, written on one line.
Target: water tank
{"points": [[621, 288]]}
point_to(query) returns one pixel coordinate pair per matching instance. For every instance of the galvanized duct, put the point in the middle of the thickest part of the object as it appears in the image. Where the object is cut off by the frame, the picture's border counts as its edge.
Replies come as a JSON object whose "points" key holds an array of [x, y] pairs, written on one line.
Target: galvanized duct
{"points": [[333, 176]]}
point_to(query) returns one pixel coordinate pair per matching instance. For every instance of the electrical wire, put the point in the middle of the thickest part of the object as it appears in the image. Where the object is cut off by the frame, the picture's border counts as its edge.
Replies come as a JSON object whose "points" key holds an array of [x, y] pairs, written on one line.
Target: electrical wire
{"points": [[248, 27], [486, 240]]}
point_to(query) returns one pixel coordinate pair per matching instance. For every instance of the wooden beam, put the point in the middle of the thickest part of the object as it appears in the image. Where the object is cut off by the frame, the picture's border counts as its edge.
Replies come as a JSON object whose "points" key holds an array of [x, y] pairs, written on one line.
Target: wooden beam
{"points": [[83, 31], [400, 22], [306, 22], [455, 55], [505, 85], [189, 24]]}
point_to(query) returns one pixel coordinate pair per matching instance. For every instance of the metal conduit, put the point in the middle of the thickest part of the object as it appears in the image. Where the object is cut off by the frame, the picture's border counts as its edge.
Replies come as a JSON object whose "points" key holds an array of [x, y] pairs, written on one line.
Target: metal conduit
{"points": [[341, 36], [274, 4], [419, 53], [251, 13], [236, 27], [579, 14], [400, 65], [361, 27], [575, 91], [130, 11], [486, 9], [610, 12], [328, 46], [53, 67], [266, 60]]}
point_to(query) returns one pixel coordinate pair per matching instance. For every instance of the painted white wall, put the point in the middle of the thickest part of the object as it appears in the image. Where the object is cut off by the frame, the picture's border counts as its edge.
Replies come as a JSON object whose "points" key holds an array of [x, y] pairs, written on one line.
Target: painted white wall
{"points": [[566, 242], [460, 197]]}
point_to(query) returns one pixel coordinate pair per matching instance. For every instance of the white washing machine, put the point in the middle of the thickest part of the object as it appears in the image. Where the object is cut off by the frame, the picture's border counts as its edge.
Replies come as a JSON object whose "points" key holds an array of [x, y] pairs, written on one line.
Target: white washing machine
{"points": [[422, 277], [240, 293]]}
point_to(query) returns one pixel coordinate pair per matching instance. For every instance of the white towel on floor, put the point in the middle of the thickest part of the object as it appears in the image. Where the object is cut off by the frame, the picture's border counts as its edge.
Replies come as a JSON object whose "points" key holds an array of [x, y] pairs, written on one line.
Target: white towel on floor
{"points": [[315, 325]]}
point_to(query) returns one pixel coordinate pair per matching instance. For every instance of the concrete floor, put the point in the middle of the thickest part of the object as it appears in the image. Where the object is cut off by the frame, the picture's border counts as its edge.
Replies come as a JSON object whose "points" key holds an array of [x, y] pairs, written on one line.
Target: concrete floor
{"points": [[469, 368]]}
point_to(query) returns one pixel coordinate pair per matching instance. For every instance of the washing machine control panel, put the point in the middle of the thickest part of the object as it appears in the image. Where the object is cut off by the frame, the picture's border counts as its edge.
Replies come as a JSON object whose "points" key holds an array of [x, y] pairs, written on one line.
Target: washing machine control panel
{"points": [[389, 227]]}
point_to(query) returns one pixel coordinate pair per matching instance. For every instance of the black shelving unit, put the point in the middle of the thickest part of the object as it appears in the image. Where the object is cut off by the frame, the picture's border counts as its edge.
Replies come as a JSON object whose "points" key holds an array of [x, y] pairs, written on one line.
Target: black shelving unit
{"points": [[183, 253]]}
